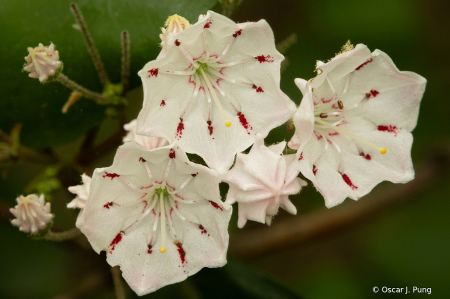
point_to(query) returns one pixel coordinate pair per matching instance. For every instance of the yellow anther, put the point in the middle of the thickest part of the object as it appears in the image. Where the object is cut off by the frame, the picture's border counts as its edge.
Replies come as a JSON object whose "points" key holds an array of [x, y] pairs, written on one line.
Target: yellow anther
{"points": [[383, 151], [162, 249], [228, 124]]}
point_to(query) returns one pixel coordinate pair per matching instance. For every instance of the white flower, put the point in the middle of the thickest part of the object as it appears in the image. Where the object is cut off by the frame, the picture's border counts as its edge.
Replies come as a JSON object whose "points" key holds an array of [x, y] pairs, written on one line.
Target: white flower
{"points": [[354, 122], [32, 213], [174, 24], [213, 87], [42, 62], [262, 181], [145, 141], [82, 192], [123, 216]]}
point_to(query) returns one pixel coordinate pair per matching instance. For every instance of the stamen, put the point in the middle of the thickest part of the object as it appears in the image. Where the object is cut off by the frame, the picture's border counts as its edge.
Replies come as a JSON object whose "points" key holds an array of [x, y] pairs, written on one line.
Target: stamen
{"points": [[331, 85], [127, 182], [218, 74], [382, 150], [230, 63], [172, 204], [184, 73], [162, 249], [163, 184], [219, 106], [341, 105], [206, 44], [172, 228], [148, 171], [182, 185], [323, 115], [346, 84], [197, 85], [216, 86], [225, 50], [195, 64]]}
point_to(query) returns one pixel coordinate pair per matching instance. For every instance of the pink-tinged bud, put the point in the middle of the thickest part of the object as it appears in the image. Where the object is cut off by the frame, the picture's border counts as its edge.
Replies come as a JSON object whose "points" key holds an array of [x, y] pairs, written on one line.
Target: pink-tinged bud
{"points": [[32, 213], [174, 24], [42, 62]]}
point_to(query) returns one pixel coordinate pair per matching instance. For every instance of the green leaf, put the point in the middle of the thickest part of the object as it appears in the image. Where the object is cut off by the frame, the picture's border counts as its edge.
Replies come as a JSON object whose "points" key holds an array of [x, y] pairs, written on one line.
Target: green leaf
{"points": [[236, 280], [27, 23]]}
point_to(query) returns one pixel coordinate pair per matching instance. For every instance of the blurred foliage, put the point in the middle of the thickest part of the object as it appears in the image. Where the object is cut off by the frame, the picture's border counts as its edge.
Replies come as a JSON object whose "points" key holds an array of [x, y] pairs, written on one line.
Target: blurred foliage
{"points": [[405, 246]]}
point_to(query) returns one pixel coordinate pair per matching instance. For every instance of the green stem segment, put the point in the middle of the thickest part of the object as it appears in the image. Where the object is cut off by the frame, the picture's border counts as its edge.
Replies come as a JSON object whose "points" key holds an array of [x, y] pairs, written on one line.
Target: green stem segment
{"points": [[88, 94], [90, 44], [62, 236], [125, 61]]}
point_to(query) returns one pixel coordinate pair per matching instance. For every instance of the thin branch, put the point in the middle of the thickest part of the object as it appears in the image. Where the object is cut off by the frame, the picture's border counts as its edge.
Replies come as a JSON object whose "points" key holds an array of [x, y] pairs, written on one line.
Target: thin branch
{"points": [[118, 283], [254, 243], [62, 236], [90, 44], [88, 94], [85, 157], [125, 61]]}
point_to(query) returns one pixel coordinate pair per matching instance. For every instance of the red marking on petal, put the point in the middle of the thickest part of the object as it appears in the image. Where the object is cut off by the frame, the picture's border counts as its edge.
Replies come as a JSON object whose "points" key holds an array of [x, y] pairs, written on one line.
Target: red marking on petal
{"points": [[374, 93], [146, 187], [146, 203], [389, 128], [326, 101], [108, 204], [301, 156], [367, 61], [315, 170], [111, 175], [244, 122], [203, 230], [149, 249], [208, 24], [153, 211], [367, 157], [210, 127], [181, 252], [142, 160], [172, 154], [215, 205], [163, 103], [262, 58], [153, 72], [317, 136], [259, 89], [180, 129], [333, 134], [348, 181], [239, 32], [116, 241]]}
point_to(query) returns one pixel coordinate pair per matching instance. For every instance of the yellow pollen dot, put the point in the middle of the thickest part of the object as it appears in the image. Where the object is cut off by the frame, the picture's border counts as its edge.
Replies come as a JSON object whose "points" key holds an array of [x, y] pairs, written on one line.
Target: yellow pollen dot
{"points": [[383, 151], [162, 249], [228, 124]]}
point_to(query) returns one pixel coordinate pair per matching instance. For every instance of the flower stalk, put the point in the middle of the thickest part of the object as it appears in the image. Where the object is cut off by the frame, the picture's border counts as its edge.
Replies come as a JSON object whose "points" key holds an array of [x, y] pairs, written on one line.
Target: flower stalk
{"points": [[118, 283], [125, 61], [62, 236]]}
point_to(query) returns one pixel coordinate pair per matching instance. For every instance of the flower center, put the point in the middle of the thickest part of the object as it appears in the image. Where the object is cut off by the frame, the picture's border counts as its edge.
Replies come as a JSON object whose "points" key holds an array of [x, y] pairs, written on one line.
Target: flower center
{"points": [[328, 115]]}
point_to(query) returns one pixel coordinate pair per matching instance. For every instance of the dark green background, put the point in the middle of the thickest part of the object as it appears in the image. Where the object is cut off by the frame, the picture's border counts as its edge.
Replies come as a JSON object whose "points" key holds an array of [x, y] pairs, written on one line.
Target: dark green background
{"points": [[407, 245]]}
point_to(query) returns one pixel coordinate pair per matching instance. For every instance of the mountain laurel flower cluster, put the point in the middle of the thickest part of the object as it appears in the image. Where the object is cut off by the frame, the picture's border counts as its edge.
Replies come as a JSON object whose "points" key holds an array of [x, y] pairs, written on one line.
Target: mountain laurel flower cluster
{"points": [[214, 86], [262, 181], [354, 122], [157, 215], [32, 213], [214, 91], [42, 62]]}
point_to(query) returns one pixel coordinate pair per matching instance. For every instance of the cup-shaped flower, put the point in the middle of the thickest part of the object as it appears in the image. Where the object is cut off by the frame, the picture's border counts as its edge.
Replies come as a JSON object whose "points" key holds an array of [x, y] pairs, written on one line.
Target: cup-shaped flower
{"points": [[173, 24], [32, 213], [213, 87], [42, 62], [145, 141], [354, 122], [82, 192], [157, 215], [262, 181]]}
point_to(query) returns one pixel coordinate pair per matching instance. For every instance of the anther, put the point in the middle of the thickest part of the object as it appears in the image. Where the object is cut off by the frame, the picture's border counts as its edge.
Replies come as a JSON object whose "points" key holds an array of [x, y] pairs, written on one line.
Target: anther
{"points": [[177, 43], [254, 86], [368, 95], [323, 115], [341, 105]]}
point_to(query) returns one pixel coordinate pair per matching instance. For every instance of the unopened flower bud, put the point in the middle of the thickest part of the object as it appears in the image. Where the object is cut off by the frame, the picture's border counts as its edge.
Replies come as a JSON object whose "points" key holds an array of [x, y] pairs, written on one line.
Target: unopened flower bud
{"points": [[32, 213], [174, 24], [42, 62]]}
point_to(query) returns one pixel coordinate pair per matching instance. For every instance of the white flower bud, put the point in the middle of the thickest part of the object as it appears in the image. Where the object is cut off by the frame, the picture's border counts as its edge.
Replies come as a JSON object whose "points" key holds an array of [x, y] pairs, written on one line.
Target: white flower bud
{"points": [[174, 24], [42, 62], [32, 213]]}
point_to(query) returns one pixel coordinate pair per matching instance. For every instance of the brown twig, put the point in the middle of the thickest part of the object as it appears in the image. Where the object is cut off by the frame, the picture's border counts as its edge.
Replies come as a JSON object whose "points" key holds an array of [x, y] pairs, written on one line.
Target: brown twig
{"points": [[125, 61], [90, 44], [258, 242], [87, 156]]}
